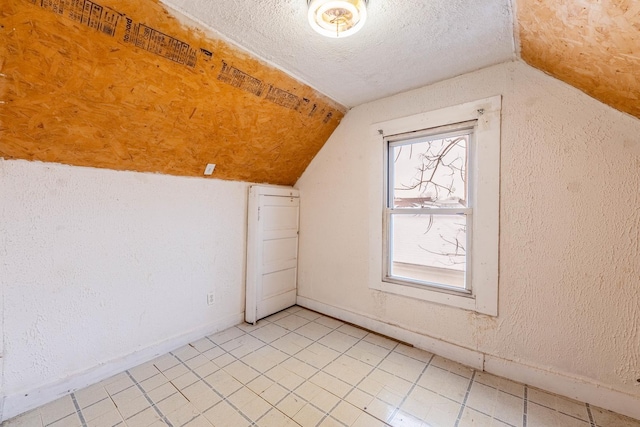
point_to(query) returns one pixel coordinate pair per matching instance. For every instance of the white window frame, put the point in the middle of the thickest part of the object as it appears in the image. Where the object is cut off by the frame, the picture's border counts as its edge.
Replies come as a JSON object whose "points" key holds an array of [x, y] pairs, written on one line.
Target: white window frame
{"points": [[484, 174]]}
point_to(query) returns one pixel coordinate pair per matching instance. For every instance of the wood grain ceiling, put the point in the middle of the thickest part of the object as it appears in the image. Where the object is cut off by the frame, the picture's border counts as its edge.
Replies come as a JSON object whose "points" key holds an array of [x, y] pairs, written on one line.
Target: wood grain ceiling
{"points": [[593, 45], [122, 84]]}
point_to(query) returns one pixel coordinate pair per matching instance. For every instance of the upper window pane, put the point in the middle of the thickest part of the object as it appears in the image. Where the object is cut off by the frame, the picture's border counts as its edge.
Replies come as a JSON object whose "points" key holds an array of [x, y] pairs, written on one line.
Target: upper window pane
{"points": [[430, 171]]}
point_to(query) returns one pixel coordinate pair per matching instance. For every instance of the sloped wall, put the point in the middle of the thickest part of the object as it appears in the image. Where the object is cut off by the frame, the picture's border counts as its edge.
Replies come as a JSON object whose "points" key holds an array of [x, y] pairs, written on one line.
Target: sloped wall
{"points": [[592, 45], [569, 232], [129, 85]]}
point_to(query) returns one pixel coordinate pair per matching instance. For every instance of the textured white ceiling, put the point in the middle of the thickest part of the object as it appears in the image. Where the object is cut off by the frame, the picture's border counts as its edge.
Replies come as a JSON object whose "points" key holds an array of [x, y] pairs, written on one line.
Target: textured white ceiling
{"points": [[404, 44]]}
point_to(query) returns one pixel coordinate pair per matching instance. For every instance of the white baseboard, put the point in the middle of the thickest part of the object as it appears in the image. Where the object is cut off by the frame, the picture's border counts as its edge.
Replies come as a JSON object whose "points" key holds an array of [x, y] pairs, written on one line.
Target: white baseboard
{"points": [[18, 403], [572, 386]]}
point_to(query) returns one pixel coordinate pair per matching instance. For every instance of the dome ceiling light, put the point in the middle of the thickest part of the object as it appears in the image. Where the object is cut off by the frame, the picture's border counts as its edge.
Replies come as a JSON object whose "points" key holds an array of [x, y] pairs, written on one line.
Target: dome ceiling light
{"points": [[337, 18]]}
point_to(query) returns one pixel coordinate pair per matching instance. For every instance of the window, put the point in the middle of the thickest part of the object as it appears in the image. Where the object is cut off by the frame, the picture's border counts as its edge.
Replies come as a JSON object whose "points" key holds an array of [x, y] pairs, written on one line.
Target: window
{"points": [[441, 206], [429, 208]]}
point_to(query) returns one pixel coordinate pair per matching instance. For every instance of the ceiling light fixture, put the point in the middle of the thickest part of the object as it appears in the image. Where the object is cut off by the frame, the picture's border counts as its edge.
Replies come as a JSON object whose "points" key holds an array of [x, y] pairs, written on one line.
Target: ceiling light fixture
{"points": [[337, 18]]}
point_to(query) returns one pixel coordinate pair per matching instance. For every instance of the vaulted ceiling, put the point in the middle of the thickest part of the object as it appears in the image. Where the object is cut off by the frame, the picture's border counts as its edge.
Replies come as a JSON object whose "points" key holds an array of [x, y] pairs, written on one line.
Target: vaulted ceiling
{"points": [[247, 85]]}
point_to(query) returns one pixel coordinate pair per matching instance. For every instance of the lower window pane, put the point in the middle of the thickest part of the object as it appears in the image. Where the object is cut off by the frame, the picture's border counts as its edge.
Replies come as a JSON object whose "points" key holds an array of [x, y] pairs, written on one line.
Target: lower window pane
{"points": [[429, 248]]}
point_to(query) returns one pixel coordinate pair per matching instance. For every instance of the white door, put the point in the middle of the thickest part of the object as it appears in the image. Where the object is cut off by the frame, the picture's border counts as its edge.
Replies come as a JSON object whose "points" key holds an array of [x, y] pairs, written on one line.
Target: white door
{"points": [[272, 250]]}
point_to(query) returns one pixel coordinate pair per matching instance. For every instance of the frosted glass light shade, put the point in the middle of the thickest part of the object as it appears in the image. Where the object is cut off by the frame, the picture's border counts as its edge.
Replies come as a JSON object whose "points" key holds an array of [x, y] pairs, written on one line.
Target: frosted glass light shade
{"points": [[337, 18]]}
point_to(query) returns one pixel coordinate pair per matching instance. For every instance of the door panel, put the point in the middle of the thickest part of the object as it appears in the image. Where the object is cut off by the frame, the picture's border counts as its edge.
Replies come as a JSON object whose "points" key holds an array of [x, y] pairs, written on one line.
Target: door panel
{"points": [[272, 250]]}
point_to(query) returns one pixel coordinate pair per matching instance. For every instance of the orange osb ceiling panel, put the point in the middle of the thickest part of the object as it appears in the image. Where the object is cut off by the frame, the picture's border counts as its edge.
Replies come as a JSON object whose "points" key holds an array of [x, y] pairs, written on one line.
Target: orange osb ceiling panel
{"points": [[593, 45], [123, 84]]}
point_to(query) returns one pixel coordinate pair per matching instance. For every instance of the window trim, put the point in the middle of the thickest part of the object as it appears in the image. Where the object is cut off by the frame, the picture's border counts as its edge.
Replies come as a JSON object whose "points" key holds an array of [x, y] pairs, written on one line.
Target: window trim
{"points": [[391, 141], [483, 297]]}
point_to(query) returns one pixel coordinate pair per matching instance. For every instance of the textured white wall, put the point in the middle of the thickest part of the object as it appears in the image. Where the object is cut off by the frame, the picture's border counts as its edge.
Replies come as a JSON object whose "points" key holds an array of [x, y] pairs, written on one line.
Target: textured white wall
{"points": [[98, 264], [569, 228]]}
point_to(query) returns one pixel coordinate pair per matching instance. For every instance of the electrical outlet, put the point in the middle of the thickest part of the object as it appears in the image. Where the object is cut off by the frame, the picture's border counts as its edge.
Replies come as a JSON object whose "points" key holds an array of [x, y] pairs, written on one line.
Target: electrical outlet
{"points": [[209, 169], [211, 298]]}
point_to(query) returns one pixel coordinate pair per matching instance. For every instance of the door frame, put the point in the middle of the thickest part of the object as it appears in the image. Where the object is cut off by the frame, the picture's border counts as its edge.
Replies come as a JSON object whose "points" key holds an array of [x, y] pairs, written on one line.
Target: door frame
{"points": [[254, 238]]}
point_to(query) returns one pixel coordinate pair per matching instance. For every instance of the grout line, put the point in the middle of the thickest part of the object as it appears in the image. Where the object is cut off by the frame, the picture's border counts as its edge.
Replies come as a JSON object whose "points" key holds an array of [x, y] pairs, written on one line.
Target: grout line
{"points": [[415, 384], [153, 405], [591, 420], [78, 410], [526, 406], [466, 397]]}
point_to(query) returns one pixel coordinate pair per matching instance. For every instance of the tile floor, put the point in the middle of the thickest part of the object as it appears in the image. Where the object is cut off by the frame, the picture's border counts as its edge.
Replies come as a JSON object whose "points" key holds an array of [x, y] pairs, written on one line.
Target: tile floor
{"points": [[299, 368]]}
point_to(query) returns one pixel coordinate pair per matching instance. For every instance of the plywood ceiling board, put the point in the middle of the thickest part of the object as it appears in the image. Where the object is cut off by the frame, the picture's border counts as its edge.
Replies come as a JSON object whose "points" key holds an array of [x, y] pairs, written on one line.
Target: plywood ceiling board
{"points": [[593, 45], [125, 85]]}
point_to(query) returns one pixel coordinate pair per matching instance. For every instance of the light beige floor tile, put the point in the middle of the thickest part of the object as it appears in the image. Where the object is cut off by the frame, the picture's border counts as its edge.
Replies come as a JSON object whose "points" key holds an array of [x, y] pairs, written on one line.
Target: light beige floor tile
{"points": [[223, 415], [500, 383], [366, 420], [346, 413], [291, 343], [183, 415], [205, 400], [329, 322], [559, 403], [483, 398], [353, 331], [325, 401], [68, 421], [269, 333], [223, 383], [226, 335], [241, 372], [368, 353], [308, 416], [162, 392], [241, 397], [57, 410], [200, 421], [89, 395], [275, 418], [144, 371], [299, 368], [359, 399], [291, 404], [98, 409], [129, 408], [452, 366], [175, 372], [165, 362], [444, 412], [144, 418], [402, 419], [509, 409], [604, 418], [241, 346], [308, 314], [328, 421], [213, 353], [472, 418], [538, 415], [224, 360], [108, 419], [338, 341], [197, 361], [414, 353], [203, 345], [291, 322], [445, 383], [185, 380], [256, 408], [260, 384], [402, 366], [313, 331], [186, 353], [381, 410], [206, 369], [118, 383], [274, 394], [331, 383], [380, 341], [153, 382], [172, 403]]}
